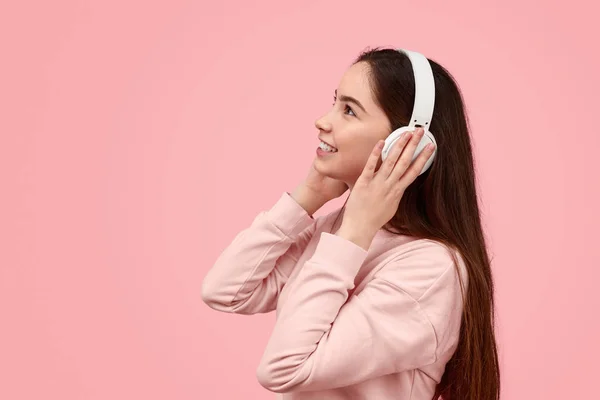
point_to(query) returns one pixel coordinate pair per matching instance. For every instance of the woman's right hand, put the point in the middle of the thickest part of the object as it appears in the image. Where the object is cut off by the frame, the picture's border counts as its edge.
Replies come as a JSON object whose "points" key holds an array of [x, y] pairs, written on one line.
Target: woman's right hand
{"points": [[323, 186], [317, 189]]}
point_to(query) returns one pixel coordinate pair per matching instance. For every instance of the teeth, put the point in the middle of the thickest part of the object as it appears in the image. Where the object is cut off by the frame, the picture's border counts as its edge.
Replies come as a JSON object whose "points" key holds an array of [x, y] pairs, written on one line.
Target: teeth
{"points": [[326, 147]]}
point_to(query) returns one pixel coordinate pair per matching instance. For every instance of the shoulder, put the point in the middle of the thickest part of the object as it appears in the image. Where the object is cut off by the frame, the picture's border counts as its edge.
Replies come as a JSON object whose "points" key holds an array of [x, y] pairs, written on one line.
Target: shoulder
{"points": [[427, 271], [435, 277], [417, 266]]}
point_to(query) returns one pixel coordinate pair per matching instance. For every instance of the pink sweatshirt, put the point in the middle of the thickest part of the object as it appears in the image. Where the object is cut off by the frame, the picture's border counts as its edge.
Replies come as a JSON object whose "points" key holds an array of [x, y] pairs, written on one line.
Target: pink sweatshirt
{"points": [[350, 323]]}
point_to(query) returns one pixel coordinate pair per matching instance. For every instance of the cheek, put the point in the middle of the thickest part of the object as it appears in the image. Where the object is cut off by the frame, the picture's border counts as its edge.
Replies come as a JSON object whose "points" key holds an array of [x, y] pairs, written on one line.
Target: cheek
{"points": [[355, 146], [353, 161]]}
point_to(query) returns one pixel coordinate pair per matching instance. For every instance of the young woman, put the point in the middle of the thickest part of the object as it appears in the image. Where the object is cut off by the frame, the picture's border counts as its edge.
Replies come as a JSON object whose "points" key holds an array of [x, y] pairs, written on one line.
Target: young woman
{"points": [[391, 296]]}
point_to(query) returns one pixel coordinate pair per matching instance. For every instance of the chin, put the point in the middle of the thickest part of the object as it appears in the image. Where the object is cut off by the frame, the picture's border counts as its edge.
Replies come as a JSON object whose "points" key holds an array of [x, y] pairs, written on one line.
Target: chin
{"points": [[324, 170], [319, 165], [328, 173]]}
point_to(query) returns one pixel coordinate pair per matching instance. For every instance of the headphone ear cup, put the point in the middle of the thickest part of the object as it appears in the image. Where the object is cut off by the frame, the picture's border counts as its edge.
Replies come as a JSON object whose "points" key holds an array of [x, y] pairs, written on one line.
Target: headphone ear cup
{"points": [[391, 139], [425, 140]]}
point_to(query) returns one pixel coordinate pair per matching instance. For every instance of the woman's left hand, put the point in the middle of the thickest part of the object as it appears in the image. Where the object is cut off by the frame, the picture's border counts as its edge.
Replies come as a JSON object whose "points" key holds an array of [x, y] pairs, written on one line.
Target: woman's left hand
{"points": [[376, 195]]}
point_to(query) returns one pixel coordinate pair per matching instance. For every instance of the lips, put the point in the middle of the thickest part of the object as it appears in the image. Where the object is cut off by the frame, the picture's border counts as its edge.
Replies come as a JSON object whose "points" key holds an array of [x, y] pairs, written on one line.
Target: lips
{"points": [[327, 143]]}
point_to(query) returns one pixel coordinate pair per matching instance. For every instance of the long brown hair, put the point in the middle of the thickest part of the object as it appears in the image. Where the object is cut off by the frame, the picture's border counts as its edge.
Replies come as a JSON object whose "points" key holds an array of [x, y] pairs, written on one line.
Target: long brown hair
{"points": [[442, 205]]}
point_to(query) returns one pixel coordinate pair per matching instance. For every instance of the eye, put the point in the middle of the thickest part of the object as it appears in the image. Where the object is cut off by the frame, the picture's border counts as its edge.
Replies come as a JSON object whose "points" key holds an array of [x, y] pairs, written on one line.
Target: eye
{"points": [[346, 107]]}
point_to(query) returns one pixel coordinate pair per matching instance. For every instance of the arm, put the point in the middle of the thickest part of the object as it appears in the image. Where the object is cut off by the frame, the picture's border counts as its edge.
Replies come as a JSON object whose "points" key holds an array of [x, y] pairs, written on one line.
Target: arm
{"points": [[322, 341], [248, 275]]}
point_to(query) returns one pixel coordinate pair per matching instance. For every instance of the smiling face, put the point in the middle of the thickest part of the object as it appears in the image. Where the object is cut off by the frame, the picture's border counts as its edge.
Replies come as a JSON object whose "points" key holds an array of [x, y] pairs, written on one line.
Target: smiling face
{"points": [[353, 126]]}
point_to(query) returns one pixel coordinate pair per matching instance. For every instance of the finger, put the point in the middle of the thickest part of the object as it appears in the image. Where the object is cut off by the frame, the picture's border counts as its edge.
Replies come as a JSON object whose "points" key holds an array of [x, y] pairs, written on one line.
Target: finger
{"points": [[387, 166], [369, 169], [406, 157], [415, 169]]}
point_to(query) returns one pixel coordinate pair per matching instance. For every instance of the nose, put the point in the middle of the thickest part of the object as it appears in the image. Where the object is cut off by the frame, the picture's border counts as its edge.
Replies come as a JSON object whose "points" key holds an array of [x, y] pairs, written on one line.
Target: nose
{"points": [[322, 124]]}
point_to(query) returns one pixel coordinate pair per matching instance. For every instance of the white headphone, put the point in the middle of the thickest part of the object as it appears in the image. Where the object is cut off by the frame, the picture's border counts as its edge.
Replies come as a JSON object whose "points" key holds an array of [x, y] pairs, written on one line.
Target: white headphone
{"points": [[422, 109]]}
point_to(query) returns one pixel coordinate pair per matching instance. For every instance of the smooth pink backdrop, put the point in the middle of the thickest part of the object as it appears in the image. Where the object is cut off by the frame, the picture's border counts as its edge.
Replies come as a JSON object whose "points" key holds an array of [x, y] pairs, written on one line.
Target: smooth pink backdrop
{"points": [[137, 138]]}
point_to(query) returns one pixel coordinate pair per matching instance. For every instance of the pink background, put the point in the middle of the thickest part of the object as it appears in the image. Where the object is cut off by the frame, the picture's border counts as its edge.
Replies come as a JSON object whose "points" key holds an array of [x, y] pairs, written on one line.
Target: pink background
{"points": [[137, 138]]}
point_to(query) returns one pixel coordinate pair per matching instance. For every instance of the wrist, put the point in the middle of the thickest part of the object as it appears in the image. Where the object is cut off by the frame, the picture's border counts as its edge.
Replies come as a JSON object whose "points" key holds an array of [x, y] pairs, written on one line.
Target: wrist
{"points": [[306, 199], [359, 236]]}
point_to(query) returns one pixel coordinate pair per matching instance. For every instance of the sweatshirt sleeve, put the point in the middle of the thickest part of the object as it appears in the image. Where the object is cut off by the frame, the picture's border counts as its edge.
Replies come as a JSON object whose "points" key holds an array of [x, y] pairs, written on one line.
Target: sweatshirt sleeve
{"points": [[249, 274], [322, 342]]}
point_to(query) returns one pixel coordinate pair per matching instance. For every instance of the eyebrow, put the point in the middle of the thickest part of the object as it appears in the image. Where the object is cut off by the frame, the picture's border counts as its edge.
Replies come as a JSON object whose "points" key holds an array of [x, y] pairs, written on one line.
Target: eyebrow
{"points": [[351, 100]]}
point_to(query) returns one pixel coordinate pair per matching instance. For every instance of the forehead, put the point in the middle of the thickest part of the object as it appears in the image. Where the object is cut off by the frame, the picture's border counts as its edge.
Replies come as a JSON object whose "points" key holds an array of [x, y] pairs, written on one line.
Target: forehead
{"points": [[355, 83]]}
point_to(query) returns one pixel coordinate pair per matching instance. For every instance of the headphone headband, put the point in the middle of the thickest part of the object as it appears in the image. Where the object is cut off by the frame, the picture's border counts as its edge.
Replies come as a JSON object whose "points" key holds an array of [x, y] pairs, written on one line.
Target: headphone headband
{"points": [[424, 89]]}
